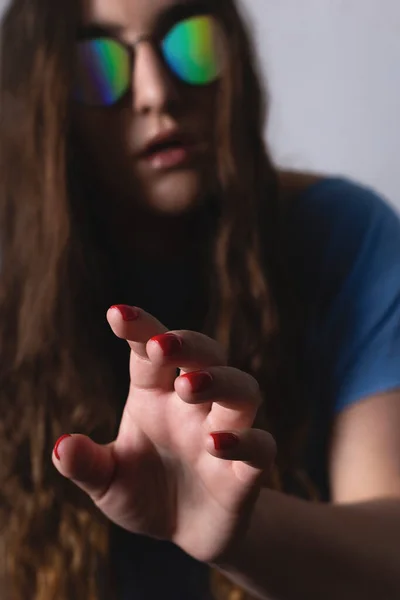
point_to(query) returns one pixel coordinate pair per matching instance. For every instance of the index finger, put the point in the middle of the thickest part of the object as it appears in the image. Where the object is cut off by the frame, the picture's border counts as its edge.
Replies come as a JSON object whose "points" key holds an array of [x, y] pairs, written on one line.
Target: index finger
{"points": [[137, 327]]}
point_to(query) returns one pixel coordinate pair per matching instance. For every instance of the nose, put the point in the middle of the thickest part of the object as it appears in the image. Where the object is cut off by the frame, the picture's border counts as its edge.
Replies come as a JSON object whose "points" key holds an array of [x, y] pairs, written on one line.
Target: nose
{"points": [[152, 88]]}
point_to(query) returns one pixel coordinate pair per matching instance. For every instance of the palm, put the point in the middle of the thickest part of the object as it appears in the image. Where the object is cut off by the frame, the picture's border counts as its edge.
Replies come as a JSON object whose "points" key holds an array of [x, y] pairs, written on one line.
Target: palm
{"points": [[183, 490]]}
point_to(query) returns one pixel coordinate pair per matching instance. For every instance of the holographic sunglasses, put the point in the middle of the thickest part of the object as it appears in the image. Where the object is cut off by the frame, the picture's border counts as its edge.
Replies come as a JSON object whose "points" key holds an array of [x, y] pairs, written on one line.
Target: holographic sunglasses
{"points": [[192, 50]]}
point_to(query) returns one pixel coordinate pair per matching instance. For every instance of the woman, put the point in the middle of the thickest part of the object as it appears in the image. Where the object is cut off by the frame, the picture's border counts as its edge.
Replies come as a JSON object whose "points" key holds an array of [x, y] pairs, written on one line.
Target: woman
{"points": [[133, 171]]}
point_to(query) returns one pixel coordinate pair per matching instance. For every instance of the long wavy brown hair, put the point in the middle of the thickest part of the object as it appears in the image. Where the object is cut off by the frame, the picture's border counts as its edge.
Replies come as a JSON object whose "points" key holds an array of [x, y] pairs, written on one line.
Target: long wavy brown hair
{"points": [[57, 376]]}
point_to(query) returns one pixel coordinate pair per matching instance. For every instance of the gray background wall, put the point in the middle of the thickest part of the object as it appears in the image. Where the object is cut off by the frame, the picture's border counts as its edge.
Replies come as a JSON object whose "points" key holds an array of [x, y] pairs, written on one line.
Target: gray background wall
{"points": [[333, 68]]}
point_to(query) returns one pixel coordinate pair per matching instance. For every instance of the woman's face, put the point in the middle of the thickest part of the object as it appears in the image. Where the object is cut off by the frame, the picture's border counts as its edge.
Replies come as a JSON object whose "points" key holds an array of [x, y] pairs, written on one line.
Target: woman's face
{"points": [[170, 178]]}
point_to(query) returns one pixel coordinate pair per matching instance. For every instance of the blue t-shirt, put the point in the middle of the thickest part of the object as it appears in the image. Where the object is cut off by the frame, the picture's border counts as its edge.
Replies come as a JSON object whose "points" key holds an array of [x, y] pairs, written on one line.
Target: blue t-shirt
{"points": [[345, 262]]}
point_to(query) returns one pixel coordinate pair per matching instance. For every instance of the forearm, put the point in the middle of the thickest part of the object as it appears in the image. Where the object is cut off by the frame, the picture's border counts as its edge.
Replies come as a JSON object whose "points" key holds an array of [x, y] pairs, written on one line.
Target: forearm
{"points": [[296, 550]]}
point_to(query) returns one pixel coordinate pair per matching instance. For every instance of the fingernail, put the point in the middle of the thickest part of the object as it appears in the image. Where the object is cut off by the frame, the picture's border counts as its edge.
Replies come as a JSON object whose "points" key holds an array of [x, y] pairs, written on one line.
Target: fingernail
{"points": [[225, 441], [58, 442], [199, 381], [169, 343], [127, 312]]}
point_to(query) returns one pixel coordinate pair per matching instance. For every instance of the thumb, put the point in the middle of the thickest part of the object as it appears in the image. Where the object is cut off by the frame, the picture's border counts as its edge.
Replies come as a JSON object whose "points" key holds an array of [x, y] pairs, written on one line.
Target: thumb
{"points": [[89, 465]]}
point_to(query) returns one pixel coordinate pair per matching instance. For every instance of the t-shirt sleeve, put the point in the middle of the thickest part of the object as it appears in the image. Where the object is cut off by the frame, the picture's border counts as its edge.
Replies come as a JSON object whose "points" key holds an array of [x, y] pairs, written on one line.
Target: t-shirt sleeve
{"points": [[358, 324]]}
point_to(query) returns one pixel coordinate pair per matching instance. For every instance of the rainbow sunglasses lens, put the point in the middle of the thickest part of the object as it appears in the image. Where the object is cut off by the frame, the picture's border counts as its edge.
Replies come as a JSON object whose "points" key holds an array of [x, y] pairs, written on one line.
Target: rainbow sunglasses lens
{"points": [[192, 49], [103, 71]]}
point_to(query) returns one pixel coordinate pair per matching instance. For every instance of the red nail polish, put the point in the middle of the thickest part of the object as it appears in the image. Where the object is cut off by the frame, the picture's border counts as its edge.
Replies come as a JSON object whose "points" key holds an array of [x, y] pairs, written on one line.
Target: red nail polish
{"points": [[199, 381], [128, 313], [169, 343], [225, 441], [58, 442]]}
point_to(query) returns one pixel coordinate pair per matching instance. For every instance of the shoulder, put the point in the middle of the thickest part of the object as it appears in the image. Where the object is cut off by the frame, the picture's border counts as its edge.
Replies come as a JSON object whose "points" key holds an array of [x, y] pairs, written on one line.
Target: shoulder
{"points": [[337, 226], [345, 259], [334, 202]]}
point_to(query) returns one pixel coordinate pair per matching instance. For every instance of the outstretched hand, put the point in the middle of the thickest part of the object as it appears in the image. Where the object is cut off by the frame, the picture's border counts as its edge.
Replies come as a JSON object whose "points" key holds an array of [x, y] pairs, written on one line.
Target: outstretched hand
{"points": [[186, 465]]}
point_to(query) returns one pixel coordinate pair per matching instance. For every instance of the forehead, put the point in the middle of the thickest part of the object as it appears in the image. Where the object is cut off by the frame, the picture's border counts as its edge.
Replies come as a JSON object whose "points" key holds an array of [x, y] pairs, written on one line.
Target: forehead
{"points": [[129, 16]]}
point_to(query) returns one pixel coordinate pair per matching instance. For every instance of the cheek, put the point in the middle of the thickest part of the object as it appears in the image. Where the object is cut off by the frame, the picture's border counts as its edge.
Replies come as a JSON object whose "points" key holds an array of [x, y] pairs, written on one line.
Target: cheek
{"points": [[103, 134], [204, 104], [204, 113]]}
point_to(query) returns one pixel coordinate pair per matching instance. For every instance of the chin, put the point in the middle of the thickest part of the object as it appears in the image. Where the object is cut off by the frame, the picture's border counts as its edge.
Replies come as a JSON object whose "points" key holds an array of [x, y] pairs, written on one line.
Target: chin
{"points": [[176, 193]]}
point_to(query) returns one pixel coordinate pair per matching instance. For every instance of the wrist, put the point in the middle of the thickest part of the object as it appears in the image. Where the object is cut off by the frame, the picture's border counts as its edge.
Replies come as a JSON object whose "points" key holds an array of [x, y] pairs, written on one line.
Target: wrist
{"points": [[242, 544]]}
